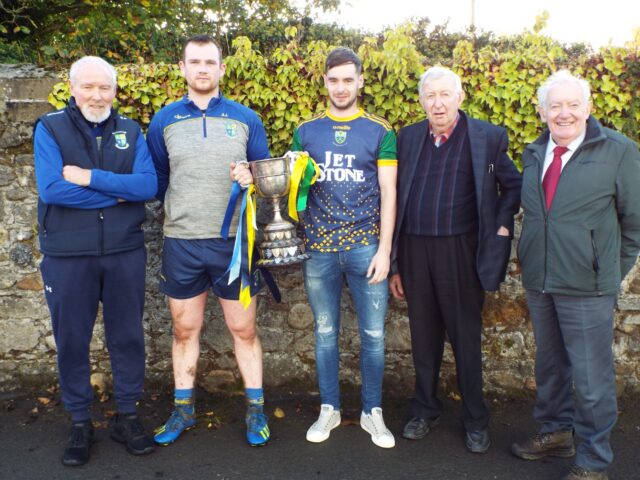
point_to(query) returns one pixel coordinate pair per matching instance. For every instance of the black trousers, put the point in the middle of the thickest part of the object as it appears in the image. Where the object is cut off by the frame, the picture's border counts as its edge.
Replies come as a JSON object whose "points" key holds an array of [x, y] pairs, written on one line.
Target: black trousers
{"points": [[444, 295]]}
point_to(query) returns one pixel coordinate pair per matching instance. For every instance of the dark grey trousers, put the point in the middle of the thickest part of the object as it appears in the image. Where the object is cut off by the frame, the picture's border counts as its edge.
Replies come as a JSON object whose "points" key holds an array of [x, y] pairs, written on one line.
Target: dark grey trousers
{"points": [[574, 355]]}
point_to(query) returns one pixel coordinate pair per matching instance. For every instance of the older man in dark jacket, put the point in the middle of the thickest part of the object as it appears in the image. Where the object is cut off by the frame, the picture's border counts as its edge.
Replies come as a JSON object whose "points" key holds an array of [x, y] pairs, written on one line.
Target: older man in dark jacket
{"points": [[458, 191], [580, 237]]}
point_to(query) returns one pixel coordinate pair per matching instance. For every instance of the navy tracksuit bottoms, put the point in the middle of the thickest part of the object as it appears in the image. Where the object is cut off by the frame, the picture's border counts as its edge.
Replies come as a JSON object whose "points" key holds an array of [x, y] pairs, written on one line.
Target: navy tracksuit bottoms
{"points": [[74, 286]]}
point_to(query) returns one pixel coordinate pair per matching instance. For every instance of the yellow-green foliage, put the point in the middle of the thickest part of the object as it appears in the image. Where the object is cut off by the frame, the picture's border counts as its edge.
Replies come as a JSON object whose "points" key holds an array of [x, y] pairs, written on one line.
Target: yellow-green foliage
{"points": [[286, 86]]}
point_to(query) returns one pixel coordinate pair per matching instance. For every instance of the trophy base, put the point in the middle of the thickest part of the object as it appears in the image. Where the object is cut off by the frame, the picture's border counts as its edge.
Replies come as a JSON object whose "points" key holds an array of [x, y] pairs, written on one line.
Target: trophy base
{"points": [[282, 262], [280, 249]]}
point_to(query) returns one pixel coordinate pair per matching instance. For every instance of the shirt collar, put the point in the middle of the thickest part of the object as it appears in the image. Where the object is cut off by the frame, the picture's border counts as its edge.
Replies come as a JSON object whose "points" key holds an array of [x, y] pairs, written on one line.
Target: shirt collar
{"points": [[212, 102], [440, 138], [358, 114], [572, 147]]}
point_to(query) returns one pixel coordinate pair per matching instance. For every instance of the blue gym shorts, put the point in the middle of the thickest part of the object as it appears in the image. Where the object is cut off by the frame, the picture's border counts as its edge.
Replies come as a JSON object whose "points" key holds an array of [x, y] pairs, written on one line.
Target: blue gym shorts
{"points": [[190, 267]]}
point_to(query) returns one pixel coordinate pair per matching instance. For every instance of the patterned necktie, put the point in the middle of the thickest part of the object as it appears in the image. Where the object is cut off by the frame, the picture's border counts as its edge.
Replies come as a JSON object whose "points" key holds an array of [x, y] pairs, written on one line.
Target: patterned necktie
{"points": [[551, 177]]}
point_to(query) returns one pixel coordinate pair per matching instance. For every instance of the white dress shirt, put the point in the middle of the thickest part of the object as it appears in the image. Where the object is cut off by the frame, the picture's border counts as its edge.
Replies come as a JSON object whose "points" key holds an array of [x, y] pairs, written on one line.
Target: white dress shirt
{"points": [[573, 146]]}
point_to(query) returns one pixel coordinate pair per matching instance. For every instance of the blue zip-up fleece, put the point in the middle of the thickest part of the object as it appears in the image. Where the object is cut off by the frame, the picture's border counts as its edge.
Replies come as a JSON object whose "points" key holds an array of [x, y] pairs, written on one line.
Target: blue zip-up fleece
{"points": [[105, 217], [192, 150]]}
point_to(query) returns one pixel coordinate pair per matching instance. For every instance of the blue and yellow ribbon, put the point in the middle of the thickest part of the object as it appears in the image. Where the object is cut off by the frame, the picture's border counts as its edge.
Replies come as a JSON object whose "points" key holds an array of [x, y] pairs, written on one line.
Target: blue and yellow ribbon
{"points": [[242, 257], [304, 174]]}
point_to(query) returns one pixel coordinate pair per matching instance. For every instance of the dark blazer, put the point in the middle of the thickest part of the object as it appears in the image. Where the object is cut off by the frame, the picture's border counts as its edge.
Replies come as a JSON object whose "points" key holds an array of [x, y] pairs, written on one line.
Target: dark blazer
{"points": [[497, 182]]}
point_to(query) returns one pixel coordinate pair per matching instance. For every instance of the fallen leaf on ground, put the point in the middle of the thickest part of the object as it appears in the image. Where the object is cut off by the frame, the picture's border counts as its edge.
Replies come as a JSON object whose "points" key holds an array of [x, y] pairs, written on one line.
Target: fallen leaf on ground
{"points": [[278, 413], [214, 424], [44, 400]]}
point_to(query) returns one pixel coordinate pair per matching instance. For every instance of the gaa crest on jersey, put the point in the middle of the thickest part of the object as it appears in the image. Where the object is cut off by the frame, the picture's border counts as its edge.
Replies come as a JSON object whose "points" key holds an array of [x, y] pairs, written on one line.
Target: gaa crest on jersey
{"points": [[121, 140], [340, 136], [231, 129]]}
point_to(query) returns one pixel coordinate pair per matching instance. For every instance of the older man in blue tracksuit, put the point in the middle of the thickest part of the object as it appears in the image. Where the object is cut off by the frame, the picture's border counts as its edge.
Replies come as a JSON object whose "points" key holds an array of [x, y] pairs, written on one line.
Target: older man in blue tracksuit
{"points": [[94, 172]]}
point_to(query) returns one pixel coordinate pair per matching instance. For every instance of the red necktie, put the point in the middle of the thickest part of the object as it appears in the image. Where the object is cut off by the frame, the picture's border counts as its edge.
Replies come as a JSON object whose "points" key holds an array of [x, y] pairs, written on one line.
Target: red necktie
{"points": [[551, 177]]}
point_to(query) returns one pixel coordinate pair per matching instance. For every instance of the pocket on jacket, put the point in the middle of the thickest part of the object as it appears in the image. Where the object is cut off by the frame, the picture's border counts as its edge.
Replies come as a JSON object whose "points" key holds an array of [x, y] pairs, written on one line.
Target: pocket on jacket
{"points": [[570, 259], [594, 249], [45, 218]]}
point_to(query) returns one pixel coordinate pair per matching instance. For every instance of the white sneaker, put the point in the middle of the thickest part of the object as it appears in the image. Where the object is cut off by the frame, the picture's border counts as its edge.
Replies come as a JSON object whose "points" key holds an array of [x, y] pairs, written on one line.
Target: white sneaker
{"points": [[328, 420], [374, 424]]}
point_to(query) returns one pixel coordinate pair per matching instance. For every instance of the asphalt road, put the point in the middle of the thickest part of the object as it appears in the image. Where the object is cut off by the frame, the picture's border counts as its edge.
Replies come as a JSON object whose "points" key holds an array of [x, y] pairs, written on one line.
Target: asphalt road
{"points": [[31, 444]]}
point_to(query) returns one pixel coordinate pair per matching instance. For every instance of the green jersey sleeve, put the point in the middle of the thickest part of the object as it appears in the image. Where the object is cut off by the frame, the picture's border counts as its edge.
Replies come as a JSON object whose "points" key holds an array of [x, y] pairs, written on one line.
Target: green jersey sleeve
{"points": [[387, 154]]}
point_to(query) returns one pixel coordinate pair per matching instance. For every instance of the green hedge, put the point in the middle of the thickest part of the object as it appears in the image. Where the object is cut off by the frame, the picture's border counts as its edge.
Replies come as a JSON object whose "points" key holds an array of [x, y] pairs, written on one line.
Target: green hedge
{"points": [[285, 87]]}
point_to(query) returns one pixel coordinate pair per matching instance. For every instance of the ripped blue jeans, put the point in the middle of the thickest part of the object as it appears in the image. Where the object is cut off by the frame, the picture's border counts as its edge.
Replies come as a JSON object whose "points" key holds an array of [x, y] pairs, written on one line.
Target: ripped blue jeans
{"points": [[323, 279]]}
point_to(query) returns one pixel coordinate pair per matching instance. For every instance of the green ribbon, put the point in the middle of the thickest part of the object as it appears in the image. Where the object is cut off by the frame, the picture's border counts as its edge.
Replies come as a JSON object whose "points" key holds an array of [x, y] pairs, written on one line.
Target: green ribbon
{"points": [[303, 190]]}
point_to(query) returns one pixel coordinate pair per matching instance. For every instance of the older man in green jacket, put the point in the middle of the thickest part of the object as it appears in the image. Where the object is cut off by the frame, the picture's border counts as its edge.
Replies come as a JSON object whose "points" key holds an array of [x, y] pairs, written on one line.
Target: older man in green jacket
{"points": [[580, 237]]}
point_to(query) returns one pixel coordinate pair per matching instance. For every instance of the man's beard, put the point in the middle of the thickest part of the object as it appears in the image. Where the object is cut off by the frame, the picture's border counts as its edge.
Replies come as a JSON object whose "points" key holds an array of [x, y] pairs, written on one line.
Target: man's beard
{"points": [[210, 89], [93, 117], [346, 106]]}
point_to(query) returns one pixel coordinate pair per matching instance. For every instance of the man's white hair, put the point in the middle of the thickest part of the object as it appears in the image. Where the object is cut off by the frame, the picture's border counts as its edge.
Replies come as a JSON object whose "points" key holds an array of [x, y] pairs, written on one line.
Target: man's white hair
{"points": [[435, 73], [562, 76], [97, 61]]}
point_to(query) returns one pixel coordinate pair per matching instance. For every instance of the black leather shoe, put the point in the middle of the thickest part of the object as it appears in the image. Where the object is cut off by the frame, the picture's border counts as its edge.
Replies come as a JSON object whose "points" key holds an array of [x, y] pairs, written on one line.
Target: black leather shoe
{"points": [[80, 439], [417, 427], [478, 441], [129, 430]]}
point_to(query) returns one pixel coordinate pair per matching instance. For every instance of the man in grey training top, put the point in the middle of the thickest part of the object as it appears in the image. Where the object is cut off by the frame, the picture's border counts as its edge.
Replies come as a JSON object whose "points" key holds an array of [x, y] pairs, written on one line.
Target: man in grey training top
{"points": [[193, 142]]}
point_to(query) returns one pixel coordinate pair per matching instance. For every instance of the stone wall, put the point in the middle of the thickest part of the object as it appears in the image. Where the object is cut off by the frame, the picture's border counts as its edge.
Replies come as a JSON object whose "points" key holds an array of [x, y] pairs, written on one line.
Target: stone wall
{"points": [[27, 349]]}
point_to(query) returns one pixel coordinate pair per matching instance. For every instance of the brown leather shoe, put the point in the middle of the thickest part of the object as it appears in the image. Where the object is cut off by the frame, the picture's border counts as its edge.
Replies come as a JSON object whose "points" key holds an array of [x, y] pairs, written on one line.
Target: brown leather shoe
{"points": [[554, 444], [579, 473]]}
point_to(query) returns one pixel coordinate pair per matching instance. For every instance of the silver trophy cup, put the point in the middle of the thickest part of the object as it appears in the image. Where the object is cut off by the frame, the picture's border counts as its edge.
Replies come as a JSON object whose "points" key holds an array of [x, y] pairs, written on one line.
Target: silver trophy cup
{"points": [[280, 246]]}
